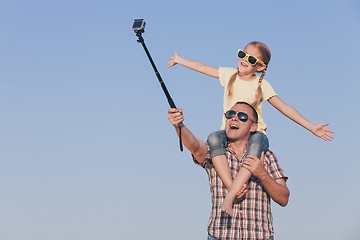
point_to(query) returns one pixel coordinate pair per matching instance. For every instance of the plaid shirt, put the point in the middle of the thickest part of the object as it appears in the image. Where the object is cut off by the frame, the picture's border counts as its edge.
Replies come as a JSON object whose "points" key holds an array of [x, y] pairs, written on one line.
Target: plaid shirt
{"points": [[252, 217]]}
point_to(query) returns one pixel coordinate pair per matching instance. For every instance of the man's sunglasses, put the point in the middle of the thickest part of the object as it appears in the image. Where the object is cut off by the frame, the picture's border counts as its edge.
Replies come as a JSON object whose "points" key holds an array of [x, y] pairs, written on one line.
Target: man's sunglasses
{"points": [[241, 115], [251, 59]]}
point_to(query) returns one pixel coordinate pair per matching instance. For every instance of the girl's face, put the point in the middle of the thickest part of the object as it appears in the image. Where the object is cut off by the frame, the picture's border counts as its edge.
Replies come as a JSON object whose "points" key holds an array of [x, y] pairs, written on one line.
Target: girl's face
{"points": [[245, 67]]}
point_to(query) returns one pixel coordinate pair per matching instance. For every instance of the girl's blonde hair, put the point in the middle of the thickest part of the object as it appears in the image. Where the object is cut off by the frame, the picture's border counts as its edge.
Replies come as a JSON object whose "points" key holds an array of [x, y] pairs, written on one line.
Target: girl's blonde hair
{"points": [[265, 57]]}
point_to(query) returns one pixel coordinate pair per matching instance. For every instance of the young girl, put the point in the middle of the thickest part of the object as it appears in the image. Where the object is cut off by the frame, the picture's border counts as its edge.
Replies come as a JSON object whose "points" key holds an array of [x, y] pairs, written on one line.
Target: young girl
{"points": [[242, 84]]}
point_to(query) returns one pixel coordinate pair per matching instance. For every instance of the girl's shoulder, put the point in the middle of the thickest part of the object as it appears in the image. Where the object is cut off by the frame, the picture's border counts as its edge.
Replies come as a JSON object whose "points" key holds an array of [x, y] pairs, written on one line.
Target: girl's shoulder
{"points": [[225, 73], [264, 82], [227, 70]]}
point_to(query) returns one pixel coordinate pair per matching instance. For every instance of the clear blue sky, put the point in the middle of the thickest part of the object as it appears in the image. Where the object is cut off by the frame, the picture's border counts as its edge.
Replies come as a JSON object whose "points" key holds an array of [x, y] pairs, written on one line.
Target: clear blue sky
{"points": [[86, 148]]}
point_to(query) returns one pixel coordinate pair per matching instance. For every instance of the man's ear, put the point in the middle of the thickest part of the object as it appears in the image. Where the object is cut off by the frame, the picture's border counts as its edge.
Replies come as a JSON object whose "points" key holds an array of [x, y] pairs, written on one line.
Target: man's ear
{"points": [[254, 127]]}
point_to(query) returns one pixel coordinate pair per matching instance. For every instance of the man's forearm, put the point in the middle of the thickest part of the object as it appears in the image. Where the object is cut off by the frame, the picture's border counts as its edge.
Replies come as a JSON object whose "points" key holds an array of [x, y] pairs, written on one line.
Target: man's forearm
{"points": [[197, 147], [277, 189]]}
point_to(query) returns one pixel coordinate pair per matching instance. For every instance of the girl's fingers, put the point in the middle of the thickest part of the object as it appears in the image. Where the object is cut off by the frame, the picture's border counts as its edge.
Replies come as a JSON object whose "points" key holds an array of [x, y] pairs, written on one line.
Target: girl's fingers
{"points": [[328, 130], [324, 124], [329, 136], [228, 212]]}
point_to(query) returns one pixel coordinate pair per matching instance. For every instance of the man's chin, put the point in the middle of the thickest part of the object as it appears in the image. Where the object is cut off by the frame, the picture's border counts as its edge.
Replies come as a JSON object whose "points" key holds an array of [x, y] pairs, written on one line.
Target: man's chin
{"points": [[232, 133], [232, 137]]}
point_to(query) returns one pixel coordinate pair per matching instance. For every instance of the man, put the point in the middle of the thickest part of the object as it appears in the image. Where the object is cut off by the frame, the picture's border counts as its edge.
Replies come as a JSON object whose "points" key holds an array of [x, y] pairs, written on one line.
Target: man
{"points": [[251, 216]]}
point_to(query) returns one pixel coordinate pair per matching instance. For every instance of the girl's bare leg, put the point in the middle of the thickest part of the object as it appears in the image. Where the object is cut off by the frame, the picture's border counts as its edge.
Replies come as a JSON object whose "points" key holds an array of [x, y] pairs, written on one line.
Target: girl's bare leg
{"points": [[242, 178]]}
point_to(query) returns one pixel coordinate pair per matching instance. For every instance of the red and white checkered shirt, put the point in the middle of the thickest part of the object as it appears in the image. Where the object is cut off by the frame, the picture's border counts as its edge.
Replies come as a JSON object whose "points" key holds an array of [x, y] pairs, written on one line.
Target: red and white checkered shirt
{"points": [[252, 217]]}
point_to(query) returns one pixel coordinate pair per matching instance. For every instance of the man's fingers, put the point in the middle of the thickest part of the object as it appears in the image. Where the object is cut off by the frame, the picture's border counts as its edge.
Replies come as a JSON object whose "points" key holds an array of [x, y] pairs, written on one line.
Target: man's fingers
{"points": [[173, 110], [262, 157], [175, 116], [179, 119], [250, 156], [246, 166]]}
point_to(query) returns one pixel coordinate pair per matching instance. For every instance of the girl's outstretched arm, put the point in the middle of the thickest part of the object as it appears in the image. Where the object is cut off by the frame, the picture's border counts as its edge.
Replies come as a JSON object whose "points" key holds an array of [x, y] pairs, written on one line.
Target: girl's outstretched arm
{"points": [[318, 130], [193, 65]]}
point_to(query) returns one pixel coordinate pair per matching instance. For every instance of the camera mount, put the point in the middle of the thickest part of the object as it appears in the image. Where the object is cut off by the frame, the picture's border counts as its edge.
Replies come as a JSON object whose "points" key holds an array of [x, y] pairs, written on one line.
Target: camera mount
{"points": [[139, 27]]}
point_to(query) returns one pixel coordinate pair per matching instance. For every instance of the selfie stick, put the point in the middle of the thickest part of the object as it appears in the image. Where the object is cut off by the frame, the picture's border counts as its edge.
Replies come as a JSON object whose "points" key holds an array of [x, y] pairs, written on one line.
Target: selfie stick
{"points": [[138, 27]]}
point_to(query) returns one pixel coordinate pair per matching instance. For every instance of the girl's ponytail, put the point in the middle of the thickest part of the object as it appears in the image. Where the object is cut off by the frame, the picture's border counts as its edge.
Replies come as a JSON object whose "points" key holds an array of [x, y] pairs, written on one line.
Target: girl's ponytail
{"points": [[259, 94], [231, 83], [266, 56]]}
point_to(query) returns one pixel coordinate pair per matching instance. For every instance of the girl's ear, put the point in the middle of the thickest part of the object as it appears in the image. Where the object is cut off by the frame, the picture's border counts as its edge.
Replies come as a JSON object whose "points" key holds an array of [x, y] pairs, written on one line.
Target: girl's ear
{"points": [[261, 68]]}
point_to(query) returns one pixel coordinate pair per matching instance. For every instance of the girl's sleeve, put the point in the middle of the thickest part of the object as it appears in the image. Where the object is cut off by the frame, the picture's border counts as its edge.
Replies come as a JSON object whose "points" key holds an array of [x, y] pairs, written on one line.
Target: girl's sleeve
{"points": [[224, 75], [268, 91]]}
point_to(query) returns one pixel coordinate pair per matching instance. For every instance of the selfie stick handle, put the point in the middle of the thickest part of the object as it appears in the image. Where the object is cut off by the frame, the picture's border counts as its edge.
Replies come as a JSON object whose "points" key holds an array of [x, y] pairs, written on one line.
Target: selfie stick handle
{"points": [[171, 102]]}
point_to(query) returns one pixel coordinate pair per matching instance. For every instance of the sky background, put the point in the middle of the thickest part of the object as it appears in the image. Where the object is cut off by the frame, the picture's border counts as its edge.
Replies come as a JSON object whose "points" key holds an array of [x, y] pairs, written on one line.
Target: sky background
{"points": [[86, 149]]}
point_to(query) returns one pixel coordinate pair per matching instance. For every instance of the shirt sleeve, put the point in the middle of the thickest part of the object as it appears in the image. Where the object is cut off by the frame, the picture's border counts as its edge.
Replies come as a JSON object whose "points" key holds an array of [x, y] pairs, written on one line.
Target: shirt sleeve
{"points": [[273, 167], [267, 90], [224, 75]]}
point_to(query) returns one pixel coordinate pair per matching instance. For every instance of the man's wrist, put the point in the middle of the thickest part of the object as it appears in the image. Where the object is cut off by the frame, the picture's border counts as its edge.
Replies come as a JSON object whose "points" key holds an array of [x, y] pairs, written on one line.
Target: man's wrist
{"points": [[263, 176]]}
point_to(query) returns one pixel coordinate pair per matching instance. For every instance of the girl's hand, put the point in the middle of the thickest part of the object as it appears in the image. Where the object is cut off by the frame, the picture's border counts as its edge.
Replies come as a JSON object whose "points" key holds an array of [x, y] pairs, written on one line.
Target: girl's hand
{"points": [[322, 132], [173, 60]]}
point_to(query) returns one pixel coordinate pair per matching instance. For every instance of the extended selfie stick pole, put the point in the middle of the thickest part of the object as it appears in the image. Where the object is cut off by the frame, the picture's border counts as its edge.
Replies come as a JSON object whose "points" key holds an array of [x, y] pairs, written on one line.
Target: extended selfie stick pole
{"points": [[171, 102]]}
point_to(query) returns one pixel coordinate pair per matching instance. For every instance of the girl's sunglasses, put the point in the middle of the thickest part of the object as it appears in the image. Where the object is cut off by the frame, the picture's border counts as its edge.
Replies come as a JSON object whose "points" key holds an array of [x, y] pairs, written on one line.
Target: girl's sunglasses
{"points": [[241, 115], [251, 59]]}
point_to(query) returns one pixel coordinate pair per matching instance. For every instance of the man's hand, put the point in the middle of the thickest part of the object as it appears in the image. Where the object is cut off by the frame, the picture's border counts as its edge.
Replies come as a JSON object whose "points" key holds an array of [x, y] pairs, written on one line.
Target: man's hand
{"points": [[197, 147], [175, 116], [255, 165], [277, 189]]}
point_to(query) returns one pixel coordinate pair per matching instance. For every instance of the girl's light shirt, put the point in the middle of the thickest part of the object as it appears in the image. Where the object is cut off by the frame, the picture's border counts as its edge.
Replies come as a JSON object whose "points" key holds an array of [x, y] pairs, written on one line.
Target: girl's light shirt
{"points": [[244, 91]]}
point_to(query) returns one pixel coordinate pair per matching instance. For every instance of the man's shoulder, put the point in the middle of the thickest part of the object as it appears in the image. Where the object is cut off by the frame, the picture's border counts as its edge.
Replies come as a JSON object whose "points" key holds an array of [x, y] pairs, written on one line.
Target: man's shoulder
{"points": [[270, 153], [273, 166], [270, 156]]}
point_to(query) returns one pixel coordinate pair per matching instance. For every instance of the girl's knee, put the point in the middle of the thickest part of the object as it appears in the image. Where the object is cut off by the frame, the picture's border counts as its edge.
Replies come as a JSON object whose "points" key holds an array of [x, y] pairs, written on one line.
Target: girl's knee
{"points": [[259, 138], [217, 138]]}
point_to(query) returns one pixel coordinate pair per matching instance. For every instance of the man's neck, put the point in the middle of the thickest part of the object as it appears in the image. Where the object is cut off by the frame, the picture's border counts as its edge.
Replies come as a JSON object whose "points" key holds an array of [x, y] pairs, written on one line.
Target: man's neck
{"points": [[239, 146]]}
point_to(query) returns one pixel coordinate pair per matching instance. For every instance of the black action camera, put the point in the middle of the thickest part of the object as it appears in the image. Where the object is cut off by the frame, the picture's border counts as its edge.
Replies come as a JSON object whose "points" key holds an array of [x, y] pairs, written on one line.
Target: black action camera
{"points": [[138, 26]]}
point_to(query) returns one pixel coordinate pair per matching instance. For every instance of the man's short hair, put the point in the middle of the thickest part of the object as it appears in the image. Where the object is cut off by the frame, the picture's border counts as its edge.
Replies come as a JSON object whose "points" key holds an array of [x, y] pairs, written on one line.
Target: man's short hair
{"points": [[255, 114]]}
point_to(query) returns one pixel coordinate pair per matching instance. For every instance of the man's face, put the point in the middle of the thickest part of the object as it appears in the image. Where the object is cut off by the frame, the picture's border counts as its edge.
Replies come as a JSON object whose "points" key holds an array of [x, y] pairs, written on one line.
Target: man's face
{"points": [[236, 129]]}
